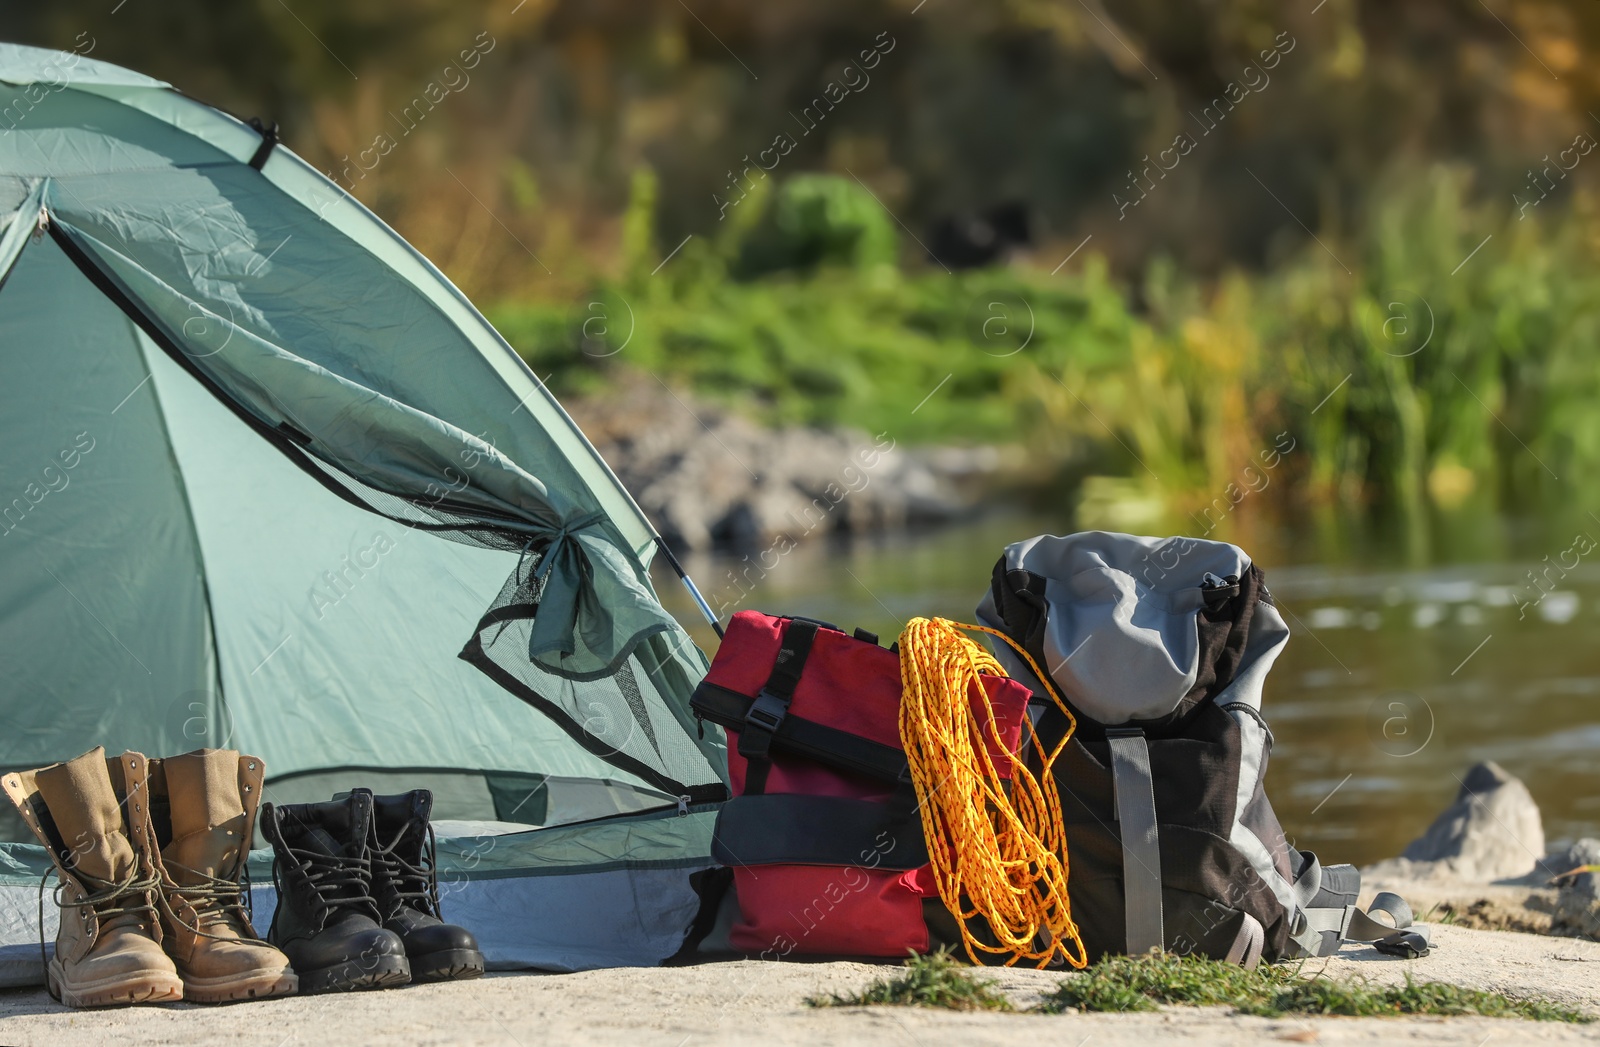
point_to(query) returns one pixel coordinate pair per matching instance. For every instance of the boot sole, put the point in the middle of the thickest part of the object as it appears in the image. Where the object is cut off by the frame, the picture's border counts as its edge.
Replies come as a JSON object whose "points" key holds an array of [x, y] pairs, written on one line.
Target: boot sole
{"points": [[386, 972], [256, 985], [447, 965], [145, 987]]}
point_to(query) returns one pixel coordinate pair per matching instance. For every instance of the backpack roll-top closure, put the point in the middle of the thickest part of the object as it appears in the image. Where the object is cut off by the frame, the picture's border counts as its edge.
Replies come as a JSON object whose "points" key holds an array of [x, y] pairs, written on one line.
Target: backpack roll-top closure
{"points": [[1136, 632]]}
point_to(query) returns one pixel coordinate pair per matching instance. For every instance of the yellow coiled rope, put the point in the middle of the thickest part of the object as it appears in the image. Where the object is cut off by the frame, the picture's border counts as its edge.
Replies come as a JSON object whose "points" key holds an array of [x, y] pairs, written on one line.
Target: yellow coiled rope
{"points": [[996, 855]]}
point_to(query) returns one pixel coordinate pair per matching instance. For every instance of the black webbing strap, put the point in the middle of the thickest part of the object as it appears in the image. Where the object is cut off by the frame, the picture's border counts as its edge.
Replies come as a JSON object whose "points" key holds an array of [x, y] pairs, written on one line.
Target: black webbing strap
{"points": [[772, 704], [795, 829], [269, 141], [903, 805], [798, 736]]}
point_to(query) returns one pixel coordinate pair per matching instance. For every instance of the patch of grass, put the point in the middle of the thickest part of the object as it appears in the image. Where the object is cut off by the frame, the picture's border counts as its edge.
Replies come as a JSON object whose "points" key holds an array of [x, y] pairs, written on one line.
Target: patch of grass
{"points": [[1124, 983], [1320, 996], [934, 980], [1143, 983]]}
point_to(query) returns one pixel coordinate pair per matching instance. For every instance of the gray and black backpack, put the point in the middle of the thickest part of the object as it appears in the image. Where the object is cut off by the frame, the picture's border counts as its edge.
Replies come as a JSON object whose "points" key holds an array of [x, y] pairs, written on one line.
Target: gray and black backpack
{"points": [[1160, 647]]}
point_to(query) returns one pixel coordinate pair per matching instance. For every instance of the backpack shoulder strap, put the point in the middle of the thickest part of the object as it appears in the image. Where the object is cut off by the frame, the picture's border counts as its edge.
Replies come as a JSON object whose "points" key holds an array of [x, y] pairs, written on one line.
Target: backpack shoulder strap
{"points": [[1133, 787]]}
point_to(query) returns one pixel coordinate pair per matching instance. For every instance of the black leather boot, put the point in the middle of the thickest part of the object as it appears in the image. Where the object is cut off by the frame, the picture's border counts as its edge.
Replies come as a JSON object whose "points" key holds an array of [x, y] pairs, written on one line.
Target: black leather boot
{"points": [[406, 886], [327, 921]]}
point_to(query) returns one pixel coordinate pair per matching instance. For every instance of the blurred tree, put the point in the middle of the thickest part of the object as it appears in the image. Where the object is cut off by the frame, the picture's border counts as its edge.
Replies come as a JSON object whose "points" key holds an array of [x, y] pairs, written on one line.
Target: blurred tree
{"points": [[1232, 122]]}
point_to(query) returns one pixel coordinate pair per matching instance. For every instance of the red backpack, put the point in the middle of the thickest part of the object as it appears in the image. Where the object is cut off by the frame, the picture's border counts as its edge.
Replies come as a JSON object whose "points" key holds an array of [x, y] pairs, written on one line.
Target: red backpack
{"points": [[823, 833]]}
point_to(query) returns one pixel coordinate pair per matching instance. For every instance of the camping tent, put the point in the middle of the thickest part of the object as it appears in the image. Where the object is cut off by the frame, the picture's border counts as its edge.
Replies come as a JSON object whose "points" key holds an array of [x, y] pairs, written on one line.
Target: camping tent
{"points": [[269, 481]]}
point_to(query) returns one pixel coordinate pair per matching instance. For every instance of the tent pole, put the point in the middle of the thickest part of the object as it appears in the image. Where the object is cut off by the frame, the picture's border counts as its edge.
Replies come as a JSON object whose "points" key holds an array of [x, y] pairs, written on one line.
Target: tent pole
{"points": [[688, 583]]}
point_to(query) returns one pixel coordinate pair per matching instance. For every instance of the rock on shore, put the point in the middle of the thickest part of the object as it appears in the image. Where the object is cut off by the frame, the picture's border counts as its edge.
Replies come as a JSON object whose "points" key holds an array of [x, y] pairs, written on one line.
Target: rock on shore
{"points": [[1577, 908], [1493, 831], [1483, 863], [707, 476]]}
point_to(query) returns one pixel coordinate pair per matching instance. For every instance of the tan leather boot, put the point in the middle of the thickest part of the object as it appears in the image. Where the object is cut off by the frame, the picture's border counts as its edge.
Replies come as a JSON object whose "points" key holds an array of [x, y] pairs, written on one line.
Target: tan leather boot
{"points": [[93, 819], [203, 812]]}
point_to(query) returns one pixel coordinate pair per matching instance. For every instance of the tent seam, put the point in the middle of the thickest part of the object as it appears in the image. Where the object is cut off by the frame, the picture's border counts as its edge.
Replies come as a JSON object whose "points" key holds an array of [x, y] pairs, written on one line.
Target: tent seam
{"points": [[220, 695]]}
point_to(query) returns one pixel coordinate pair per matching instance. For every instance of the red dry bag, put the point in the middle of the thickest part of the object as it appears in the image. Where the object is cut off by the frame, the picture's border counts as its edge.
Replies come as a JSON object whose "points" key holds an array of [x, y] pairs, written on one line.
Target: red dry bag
{"points": [[823, 833]]}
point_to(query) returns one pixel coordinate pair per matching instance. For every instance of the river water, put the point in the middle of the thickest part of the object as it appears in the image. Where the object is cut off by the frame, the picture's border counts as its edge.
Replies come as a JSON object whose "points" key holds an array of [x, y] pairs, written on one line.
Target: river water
{"points": [[1395, 681]]}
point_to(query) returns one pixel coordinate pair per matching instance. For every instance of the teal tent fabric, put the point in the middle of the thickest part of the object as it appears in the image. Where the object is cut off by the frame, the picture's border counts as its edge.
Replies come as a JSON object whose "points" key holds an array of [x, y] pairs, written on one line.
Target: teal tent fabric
{"points": [[234, 313], [102, 598], [26, 200], [268, 481], [281, 380], [39, 65]]}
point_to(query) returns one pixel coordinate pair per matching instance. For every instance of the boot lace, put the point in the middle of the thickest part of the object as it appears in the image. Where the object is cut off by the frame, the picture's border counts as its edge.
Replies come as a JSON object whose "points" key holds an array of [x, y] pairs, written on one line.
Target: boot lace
{"points": [[101, 899], [329, 875], [215, 900], [415, 886]]}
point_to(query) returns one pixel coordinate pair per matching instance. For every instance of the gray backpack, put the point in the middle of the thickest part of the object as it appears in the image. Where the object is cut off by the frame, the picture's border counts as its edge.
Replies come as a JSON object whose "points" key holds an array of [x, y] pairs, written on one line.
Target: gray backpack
{"points": [[1160, 646]]}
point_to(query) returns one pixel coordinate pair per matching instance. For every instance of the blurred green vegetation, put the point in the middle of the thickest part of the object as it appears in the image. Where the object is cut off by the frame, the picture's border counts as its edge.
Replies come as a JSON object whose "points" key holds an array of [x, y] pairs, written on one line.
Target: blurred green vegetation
{"points": [[1340, 259], [1409, 379]]}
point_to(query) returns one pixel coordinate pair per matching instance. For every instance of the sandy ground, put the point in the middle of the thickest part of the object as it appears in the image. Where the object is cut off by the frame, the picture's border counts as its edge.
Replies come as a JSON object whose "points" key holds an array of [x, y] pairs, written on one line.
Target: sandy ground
{"points": [[764, 1003]]}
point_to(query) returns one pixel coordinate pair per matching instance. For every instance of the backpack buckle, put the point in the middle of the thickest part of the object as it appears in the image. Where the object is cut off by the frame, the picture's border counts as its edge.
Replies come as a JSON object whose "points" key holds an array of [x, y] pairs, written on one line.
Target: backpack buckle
{"points": [[767, 712], [761, 722]]}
